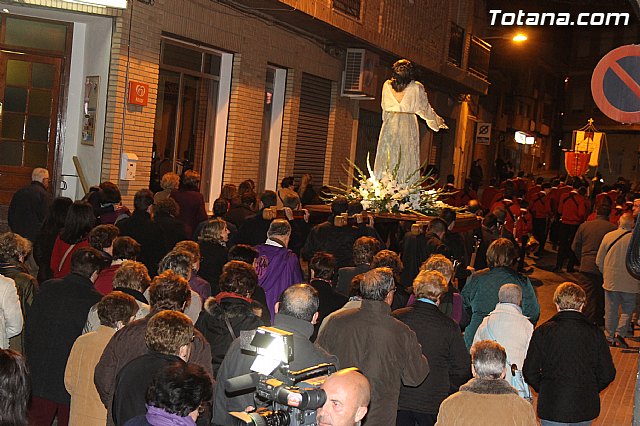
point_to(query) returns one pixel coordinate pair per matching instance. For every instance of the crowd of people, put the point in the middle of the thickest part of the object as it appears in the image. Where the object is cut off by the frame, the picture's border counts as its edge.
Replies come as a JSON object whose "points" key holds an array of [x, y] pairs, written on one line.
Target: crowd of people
{"points": [[121, 316]]}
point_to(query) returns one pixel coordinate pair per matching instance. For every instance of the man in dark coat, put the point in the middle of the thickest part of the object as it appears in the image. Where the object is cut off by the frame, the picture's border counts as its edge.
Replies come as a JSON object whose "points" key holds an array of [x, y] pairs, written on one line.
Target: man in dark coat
{"points": [[168, 338], [442, 345], [29, 206], [56, 319], [385, 349], [417, 248], [456, 246], [337, 240], [363, 251], [568, 362], [148, 234], [254, 228], [297, 310], [169, 291], [323, 266]]}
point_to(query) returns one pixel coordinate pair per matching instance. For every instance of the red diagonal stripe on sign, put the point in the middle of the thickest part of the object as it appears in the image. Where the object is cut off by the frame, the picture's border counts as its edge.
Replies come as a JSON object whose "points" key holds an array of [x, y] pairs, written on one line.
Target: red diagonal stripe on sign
{"points": [[626, 78]]}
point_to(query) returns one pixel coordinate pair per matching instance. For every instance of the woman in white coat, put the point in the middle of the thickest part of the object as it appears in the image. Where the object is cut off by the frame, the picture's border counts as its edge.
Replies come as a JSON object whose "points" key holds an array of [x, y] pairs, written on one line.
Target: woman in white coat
{"points": [[507, 325], [11, 320]]}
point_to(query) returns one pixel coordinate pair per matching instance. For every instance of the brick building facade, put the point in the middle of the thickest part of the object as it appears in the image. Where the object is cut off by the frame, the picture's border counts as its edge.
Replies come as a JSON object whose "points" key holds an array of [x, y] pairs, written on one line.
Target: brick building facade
{"points": [[266, 100]]}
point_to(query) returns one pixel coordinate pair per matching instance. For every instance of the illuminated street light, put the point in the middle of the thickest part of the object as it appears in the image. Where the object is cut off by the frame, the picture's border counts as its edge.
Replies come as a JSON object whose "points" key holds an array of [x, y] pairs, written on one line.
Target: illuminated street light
{"points": [[519, 38]]}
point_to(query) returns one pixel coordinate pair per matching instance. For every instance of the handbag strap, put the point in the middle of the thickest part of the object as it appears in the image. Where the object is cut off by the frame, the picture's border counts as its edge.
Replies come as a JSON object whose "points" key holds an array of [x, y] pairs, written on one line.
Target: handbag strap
{"points": [[64, 257], [615, 241], [226, 321], [492, 337]]}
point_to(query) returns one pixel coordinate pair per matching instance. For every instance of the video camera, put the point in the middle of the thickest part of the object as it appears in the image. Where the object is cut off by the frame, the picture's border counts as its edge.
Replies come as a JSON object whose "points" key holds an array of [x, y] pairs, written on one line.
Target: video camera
{"points": [[291, 401]]}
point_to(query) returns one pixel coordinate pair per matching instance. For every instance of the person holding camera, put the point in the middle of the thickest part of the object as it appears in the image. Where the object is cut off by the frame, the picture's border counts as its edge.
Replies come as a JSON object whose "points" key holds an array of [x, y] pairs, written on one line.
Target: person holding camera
{"points": [[296, 312]]}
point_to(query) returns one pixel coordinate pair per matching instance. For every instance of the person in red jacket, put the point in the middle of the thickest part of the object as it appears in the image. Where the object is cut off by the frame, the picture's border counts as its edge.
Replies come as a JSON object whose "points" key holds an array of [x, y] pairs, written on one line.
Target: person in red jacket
{"points": [[533, 189], [79, 221], [540, 209], [488, 194], [510, 204], [573, 208]]}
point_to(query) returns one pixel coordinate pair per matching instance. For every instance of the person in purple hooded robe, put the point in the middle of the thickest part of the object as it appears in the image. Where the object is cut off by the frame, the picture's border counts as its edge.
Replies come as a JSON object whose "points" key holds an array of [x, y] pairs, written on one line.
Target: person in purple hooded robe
{"points": [[278, 267]]}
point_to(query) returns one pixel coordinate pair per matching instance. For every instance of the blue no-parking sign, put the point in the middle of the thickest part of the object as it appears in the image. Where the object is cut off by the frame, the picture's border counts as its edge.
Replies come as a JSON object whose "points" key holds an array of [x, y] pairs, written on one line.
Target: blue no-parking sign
{"points": [[615, 84]]}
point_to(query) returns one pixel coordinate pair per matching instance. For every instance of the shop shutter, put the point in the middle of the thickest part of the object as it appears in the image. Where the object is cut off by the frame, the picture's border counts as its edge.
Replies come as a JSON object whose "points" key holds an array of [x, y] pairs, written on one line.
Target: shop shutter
{"points": [[313, 127], [369, 124]]}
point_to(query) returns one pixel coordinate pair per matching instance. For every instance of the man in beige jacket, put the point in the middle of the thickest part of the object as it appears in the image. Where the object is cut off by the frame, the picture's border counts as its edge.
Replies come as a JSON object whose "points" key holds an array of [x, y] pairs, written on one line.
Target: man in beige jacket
{"points": [[620, 288]]}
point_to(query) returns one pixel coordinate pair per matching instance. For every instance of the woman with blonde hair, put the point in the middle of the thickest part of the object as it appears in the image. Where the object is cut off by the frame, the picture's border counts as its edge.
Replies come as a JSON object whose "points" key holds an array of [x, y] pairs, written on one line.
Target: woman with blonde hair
{"points": [[213, 251], [169, 182]]}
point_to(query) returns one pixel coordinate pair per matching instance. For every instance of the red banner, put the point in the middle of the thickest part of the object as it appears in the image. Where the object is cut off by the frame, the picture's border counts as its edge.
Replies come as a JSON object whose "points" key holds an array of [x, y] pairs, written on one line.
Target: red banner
{"points": [[576, 163]]}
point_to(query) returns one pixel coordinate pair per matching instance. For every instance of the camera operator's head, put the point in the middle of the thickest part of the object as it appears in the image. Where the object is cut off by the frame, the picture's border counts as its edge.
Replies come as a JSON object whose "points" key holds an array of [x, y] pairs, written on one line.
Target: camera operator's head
{"points": [[348, 394], [299, 301]]}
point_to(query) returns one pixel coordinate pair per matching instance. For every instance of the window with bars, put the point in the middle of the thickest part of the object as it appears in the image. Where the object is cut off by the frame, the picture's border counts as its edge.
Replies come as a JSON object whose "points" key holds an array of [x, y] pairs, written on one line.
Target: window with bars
{"points": [[479, 53], [348, 7]]}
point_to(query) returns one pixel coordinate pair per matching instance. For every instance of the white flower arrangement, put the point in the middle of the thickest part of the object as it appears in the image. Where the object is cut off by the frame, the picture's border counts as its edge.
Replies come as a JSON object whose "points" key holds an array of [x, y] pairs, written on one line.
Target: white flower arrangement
{"points": [[385, 194]]}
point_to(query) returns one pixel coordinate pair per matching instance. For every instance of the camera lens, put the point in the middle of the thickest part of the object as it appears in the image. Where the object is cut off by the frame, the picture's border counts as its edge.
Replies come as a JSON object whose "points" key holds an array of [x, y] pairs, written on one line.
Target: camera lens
{"points": [[270, 418]]}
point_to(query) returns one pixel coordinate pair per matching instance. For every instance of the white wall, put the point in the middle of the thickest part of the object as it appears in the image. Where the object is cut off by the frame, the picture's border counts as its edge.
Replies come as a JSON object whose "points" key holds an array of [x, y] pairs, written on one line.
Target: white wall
{"points": [[90, 56]]}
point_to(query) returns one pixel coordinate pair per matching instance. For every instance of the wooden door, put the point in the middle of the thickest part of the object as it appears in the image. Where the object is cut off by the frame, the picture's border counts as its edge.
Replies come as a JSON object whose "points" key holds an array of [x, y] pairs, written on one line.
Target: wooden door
{"points": [[29, 97]]}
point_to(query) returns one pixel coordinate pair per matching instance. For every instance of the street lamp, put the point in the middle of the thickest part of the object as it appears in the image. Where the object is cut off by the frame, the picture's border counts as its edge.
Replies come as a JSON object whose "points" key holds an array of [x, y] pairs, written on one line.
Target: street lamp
{"points": [[518, 38]]}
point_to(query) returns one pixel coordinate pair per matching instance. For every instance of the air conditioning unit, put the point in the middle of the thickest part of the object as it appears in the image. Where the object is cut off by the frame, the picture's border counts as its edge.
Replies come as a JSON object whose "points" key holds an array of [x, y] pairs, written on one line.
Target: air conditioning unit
{"points": [[359, 77]]}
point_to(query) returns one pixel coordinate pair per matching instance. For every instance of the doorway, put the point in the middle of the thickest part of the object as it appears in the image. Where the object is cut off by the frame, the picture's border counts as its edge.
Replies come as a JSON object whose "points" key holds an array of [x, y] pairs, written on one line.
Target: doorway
{"points": [[32, 59], [185, 113]]}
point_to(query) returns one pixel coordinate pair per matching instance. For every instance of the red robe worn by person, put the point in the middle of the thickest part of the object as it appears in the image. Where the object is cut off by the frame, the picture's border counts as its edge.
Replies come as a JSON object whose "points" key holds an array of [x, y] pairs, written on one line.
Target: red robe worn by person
{"points": [[572, 208], [540, 206]]}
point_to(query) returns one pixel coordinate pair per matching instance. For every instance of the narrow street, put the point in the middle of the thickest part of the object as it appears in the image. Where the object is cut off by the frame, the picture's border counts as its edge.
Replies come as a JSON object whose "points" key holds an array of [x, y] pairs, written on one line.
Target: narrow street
{"points": [[617, 400]]}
